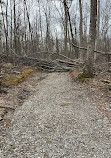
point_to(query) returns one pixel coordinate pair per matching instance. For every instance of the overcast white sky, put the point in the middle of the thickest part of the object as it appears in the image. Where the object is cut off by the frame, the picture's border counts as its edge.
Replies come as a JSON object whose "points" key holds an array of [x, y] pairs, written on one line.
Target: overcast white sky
{"points": [[55, 18]]}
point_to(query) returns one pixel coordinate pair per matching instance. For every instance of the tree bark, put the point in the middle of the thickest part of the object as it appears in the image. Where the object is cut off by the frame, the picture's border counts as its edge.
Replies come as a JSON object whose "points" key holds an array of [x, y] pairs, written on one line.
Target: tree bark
{"points": [[7, 28], [81, 30], [91, 43], [15, 29], [98, 27], [65, 27], [71, 30]]}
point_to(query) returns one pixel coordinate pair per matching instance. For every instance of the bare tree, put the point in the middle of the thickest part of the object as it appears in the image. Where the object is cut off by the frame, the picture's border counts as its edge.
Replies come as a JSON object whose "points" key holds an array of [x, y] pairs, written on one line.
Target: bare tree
{"points": [[11, 27], [55, 27], [91, 43], [98, 27], [7, 27], [15, 31], [65, 27], [73, 41], [81, 29], [0, 30]]}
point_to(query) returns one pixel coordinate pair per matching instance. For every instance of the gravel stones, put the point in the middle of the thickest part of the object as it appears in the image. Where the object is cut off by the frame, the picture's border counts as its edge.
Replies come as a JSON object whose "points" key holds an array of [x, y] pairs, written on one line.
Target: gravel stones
{"points": [[42, 128]]}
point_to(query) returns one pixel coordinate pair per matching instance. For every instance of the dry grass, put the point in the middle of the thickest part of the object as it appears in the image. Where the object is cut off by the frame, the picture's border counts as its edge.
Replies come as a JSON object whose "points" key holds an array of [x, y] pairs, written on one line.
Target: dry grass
{"points": [[15, 79], [78, 75]]}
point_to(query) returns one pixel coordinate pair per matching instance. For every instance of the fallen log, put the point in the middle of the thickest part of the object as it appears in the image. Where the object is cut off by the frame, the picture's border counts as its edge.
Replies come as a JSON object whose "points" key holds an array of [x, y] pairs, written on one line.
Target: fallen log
{"points": [[70, 64], [96, 51], [65, 62], [7, 107], [50, 65]]}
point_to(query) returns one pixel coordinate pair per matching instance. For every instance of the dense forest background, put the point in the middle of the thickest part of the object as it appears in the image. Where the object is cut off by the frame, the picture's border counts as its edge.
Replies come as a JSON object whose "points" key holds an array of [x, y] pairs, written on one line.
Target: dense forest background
{"points": [[37, 28]]}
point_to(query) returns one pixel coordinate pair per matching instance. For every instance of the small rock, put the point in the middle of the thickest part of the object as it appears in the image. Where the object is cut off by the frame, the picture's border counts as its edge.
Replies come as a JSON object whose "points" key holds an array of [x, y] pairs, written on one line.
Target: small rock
{"points": [[66, 104], [108, 107], [105, 120], [6, 122], [2, 103], [17, 72], [7, 65], [105, 81], [2, 113], [0, 153], [1, 118]]}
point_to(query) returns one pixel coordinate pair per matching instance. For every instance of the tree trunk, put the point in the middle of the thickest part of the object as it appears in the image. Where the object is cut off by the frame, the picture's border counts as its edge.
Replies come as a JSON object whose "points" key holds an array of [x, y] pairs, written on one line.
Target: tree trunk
{"points": [[7, 28], [65, 27], [91, 43], [0, 29], [98, 25], [15, 31], [81, 30], [71, 30], [11, 29]]}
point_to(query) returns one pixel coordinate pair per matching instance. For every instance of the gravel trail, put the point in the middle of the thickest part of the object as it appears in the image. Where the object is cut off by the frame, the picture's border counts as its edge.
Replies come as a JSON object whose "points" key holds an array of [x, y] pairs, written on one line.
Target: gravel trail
{"points": [[59, 121]]}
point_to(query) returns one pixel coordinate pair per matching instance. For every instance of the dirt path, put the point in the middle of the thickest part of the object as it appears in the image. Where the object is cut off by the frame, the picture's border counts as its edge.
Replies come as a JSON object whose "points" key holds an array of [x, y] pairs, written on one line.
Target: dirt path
{"points": [[59, 121]]}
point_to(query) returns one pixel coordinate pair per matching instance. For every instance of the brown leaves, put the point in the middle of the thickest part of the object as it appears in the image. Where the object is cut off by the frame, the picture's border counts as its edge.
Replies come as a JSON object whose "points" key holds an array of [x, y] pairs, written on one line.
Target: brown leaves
{"points": [[10, 79]]}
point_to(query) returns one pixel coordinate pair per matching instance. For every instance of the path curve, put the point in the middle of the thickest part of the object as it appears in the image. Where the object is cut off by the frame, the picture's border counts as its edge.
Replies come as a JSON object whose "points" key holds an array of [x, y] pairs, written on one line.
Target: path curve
{"points": [[59, 121]]}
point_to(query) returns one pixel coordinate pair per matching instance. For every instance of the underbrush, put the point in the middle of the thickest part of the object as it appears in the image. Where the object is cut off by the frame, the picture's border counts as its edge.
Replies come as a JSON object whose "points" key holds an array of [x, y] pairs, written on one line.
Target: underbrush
{"points": [[14, 79], [78, 76], [103, 83]]}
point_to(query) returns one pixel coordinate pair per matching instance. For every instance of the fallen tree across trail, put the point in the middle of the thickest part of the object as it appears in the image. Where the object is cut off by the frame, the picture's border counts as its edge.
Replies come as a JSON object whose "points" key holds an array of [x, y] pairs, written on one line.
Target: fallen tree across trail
{"points": [[48, 64], [60, 63]]}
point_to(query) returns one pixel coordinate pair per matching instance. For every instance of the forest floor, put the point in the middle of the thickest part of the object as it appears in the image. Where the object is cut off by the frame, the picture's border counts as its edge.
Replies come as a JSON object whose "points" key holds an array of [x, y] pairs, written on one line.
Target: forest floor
{"points": [[51, 116]]}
